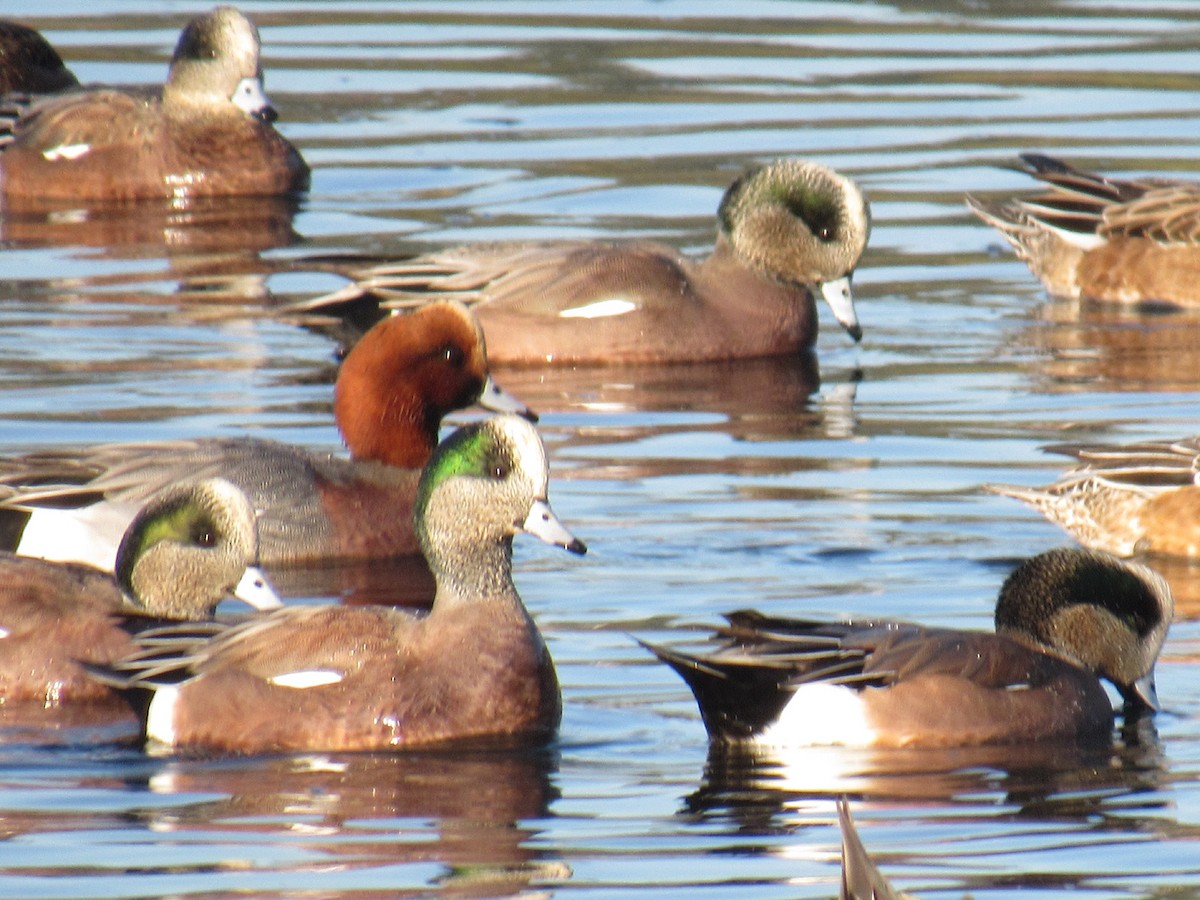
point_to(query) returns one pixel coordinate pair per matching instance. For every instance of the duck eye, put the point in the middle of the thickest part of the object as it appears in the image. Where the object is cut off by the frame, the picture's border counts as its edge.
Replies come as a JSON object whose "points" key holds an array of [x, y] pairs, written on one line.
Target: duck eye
{"points": [[500, 471], [453, 355], [204, 535], [818, 215]]}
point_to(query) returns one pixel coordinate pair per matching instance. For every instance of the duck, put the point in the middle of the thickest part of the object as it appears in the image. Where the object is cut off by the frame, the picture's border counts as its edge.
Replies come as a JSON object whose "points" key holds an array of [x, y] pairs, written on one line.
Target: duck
{"points": [[392, 390], [1126, 499], [29, 64], [1064, 619], [472, 670], [186, 550], [1090, 237], [784, 230], [207, 133]]}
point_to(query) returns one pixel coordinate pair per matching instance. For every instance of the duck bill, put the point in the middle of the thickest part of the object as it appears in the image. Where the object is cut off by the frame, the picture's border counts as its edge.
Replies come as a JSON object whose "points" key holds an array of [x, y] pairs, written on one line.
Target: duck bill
{"points": [[837, 294], [497, 399], [254, 590], [1144, 692], [543, 523]]}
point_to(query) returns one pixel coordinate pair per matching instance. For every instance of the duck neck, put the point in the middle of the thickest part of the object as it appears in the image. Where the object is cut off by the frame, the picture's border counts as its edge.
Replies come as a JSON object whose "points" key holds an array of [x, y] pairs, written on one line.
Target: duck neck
{"points": [[393, 427], [475, 574]]}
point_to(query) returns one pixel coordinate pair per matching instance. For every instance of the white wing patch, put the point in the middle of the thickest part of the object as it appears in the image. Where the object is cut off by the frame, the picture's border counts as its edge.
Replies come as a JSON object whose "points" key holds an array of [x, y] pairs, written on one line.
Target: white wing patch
{"points": [[307, 679], [599, 310], [66, 151]]}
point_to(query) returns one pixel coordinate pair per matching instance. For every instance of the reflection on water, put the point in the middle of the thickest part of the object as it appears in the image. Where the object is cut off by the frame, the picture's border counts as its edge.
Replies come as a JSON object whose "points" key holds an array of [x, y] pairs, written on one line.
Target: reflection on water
{"points": [[212, 246], [1046, 777], [464, 812], [845, 483], [1090, 346], [1184, 577], [180, 227], [1066, 784], [463, 815]]}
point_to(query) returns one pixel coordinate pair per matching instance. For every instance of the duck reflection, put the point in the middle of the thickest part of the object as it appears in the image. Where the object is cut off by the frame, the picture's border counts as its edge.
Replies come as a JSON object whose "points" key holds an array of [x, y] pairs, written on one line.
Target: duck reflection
{"points": [[751, 401], [468, 812], [1094, 346], [756, 390], [761, 790], [1183, 575], [211, 244]]}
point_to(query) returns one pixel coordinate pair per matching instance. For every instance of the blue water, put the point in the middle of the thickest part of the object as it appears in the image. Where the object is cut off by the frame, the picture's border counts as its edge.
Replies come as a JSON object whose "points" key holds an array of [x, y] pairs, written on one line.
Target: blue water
{"points": [[853, 490]]}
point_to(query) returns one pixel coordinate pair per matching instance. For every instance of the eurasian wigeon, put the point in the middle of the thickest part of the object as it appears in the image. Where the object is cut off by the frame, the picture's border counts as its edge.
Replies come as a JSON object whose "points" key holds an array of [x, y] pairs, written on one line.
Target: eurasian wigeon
{"points": [[392, 391]]}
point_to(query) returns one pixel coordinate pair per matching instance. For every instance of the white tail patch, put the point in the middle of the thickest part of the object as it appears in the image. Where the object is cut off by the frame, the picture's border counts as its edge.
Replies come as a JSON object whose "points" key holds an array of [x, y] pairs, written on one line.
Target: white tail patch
{"points": [[821, 714], [160, 716], [309, 678], [599, 310], [66, 151]]}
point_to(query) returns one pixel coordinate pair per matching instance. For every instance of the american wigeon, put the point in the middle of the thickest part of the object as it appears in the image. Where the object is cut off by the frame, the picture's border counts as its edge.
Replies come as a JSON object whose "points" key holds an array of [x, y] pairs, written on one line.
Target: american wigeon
{"points": [[28, 64], [1096, 238], [186, 550], [208, 134], [1064, 619], [474, 668], [861, 878], [392, 391], [1124, 498], [783, 230]]}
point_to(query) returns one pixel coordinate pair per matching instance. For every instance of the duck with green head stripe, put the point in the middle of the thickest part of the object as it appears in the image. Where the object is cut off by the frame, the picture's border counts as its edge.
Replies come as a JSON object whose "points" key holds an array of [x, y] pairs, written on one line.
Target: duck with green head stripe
{"points": [[473, 669], [786, 231], [190, 547]]}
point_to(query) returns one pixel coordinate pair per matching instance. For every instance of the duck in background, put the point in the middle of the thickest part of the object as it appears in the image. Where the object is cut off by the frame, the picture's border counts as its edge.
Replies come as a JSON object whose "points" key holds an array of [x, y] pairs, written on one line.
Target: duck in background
{"points": [[784, 231], [1125, 499], [473, 669], [392, 391], [1091, 237], [188, 549], [28, 64], [207, 133], [1064, 620]]}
